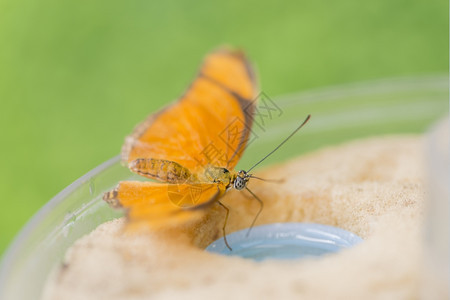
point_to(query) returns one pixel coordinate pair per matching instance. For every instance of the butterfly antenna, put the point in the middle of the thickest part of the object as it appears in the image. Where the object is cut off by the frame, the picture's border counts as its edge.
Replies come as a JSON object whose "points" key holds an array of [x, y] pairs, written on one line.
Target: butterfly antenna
{"points": [[268, 180], [282, 143], [261, 205]]}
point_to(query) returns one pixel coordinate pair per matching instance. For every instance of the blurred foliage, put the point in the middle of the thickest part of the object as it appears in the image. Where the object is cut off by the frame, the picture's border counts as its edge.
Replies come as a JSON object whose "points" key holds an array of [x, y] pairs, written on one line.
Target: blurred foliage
{"points": [[76, 76]]}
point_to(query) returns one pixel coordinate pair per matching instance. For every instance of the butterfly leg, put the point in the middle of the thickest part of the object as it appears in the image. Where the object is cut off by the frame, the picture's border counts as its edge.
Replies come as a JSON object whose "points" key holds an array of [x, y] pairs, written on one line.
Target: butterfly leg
{"points": [[247, 196], [261, 206], [225, 225]]}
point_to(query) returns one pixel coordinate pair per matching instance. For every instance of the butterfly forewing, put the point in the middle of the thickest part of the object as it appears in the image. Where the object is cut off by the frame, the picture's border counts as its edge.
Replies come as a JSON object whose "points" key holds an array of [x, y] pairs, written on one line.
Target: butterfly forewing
{"points": [[210, 124], [231, 70]]}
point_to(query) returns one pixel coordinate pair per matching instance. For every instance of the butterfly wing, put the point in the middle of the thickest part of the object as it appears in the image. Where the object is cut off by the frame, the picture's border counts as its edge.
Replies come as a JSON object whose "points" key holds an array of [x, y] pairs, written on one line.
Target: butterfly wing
{"points": [[208, 125], [158, 205]]}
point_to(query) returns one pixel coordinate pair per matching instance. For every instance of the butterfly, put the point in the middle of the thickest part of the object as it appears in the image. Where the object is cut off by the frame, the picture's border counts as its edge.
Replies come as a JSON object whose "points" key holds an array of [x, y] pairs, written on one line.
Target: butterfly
{"points": [[191, 147]]}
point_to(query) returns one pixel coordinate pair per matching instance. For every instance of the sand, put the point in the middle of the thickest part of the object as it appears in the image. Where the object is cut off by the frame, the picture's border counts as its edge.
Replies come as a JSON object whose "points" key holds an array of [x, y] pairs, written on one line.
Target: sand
{"points": [[372, 187]]}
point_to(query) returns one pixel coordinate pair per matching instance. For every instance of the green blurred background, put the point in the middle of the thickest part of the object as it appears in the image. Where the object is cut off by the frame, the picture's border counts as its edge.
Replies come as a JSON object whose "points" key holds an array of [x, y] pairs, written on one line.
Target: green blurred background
{"points": [[76, 76]]}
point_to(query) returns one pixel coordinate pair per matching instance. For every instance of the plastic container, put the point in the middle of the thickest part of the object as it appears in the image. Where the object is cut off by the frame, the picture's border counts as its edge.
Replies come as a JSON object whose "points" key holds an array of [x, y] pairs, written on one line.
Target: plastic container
{"points": [[436, 268], [339, 113]]}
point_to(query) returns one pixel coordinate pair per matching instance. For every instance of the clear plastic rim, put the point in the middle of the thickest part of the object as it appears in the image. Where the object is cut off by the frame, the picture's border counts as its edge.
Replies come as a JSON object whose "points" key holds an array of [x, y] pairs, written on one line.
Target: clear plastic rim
{"points": [[19, 240]]}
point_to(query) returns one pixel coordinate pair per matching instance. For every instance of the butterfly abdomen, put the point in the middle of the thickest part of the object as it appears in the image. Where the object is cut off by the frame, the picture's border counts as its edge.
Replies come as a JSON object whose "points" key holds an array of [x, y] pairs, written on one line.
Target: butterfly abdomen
{"points": [[160, 169]]}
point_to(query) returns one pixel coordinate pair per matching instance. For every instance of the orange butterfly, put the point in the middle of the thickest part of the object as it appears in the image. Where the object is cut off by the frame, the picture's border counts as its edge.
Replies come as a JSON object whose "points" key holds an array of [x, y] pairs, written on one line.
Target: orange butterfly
{"points": [[192, 146]]}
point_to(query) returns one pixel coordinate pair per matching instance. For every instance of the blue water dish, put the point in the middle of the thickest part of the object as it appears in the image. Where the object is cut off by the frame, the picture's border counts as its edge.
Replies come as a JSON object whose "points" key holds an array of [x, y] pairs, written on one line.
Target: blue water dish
{"points": [[285, 241]]}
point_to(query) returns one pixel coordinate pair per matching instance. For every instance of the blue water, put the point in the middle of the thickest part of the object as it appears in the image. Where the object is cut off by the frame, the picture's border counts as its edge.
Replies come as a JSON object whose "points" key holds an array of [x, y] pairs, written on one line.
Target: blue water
{"points": [[285, 241]]}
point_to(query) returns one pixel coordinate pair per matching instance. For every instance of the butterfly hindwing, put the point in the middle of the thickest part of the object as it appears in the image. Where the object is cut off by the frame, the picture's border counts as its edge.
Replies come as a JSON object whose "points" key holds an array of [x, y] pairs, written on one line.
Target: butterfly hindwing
{"points": [[158, 205]]}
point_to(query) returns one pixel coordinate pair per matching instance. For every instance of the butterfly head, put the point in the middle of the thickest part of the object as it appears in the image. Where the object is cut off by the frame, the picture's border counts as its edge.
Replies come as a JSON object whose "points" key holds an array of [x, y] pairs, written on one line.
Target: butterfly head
{"points": [[241, 180]]}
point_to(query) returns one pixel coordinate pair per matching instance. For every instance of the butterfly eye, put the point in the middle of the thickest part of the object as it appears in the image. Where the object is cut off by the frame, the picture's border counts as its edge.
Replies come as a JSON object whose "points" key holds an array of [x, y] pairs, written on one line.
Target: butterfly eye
{"points": [[239, 183]]}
